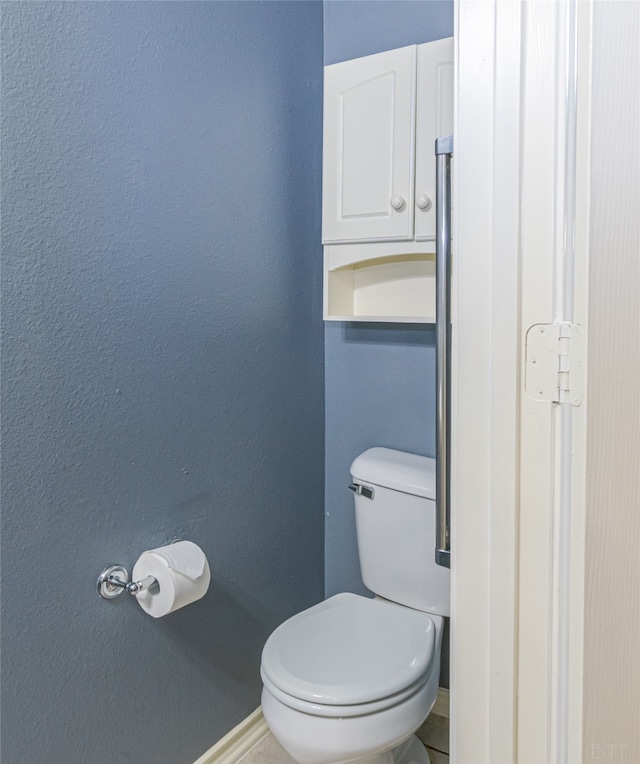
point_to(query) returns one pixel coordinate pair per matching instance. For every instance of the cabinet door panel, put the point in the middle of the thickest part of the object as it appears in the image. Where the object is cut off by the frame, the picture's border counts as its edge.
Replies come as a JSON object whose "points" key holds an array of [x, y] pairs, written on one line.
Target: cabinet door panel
{"points": [[434, 117], [368, 148]]}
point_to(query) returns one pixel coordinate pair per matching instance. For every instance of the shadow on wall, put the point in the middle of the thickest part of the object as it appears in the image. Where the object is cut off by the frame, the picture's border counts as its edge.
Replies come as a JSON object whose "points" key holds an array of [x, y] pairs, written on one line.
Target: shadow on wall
{"points": [[390, 334], [209, 639]]}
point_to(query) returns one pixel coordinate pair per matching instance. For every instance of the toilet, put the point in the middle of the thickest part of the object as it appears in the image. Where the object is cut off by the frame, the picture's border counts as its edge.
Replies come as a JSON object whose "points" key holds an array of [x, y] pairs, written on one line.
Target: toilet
{"points": [[352, 678]]}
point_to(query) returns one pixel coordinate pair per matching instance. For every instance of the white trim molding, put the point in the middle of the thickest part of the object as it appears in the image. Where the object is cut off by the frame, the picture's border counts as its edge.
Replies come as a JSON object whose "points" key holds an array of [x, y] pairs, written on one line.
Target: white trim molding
{"points": [[554, 262], [485, 381], [521, 258], [237, 743]]}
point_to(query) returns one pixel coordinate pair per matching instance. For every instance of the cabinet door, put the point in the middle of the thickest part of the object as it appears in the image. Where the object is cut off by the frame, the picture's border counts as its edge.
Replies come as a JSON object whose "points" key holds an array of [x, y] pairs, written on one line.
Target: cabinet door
{"points": [[434, 117], [368, 148]]}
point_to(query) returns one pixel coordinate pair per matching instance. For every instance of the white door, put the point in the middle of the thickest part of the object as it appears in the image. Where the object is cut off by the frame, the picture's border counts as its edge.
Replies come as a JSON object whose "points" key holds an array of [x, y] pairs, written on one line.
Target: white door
{"points": [[368, 148], [544, 559], [434, 117]]}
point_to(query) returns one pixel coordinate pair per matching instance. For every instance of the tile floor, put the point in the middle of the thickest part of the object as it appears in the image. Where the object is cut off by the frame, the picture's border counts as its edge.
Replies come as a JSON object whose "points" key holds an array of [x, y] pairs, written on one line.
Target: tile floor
{"points": [[434, 733], [267, 751]]}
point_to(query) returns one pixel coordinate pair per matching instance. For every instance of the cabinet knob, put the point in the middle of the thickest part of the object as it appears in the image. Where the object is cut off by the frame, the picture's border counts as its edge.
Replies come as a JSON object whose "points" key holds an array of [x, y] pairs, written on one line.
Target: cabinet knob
{"points": [[423, 202], [397, 202]]}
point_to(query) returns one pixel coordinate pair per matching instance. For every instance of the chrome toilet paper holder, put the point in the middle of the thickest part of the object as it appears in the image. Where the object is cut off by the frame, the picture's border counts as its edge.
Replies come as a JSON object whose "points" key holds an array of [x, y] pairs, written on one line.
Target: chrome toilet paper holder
{"points": [[111, 584]]}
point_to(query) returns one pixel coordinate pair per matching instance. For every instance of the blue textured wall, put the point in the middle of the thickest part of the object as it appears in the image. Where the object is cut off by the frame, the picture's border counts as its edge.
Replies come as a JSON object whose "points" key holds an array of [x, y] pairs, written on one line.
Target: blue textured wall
{"points": [[162, 361], [354, 28], [379, 378], [380, 391]]}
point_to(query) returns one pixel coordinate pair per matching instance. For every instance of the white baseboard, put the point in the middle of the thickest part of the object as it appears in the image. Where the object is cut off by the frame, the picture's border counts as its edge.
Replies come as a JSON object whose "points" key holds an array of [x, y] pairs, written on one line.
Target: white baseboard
{"points": [[235, 744]]}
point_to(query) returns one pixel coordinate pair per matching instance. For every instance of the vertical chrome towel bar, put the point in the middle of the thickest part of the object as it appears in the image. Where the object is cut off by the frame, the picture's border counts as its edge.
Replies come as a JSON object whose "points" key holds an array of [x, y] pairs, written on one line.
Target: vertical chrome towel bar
{"points": [[444, 150]]}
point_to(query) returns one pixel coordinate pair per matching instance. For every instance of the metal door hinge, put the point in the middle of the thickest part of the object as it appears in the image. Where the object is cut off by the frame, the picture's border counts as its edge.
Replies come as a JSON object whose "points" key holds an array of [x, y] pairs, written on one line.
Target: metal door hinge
{"points": [[555, 363]]}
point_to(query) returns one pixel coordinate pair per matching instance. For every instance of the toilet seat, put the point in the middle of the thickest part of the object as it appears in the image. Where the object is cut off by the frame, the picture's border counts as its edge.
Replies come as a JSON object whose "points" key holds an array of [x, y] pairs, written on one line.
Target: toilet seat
{"points": [[349, 651], [329, 711]]}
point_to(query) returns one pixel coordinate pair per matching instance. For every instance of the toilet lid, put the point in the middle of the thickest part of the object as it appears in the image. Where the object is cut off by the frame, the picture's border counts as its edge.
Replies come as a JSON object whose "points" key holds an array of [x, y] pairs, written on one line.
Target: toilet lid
{"points": [[348, 650]]}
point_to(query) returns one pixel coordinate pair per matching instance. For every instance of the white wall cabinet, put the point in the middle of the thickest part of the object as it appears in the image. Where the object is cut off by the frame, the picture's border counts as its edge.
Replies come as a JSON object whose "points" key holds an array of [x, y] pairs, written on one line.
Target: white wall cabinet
{"points": [[434, 117], [369, 127], [382, 115]]}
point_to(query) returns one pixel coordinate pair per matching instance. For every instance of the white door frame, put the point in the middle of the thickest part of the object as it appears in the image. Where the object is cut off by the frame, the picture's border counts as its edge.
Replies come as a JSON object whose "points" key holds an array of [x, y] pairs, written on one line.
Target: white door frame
{"points": [[520, 249]]}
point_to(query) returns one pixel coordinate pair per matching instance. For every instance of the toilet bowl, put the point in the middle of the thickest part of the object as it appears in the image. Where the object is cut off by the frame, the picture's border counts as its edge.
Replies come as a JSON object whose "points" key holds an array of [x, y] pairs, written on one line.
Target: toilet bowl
{"points": [[369, 739], [352, 678]]}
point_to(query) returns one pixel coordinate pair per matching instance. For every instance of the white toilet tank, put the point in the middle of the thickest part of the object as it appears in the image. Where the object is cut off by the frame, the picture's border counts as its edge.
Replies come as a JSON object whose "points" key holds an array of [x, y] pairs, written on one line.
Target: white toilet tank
{"points": [[395, 524]]}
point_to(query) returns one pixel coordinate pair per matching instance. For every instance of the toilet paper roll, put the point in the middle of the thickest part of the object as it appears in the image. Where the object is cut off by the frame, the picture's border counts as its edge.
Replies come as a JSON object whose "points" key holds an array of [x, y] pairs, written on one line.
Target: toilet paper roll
{"points": [[182, 573]]}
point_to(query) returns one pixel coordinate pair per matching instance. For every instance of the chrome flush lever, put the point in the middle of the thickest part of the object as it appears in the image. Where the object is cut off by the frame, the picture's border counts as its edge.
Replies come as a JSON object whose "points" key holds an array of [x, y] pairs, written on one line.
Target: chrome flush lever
{"points": [[362, 490]]}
